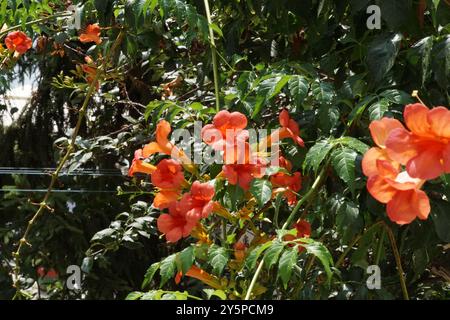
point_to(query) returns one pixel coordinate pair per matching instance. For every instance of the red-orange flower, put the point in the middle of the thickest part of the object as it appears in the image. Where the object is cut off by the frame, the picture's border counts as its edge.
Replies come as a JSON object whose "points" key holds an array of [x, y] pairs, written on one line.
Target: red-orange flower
{"points": [[426, 149], [169, 178], [285, 183], [405, 201], [289, 128], [202, 275], [198, 202], [227, 134], [168, 174], [91, 34], [303, 230], [18, 41], [380, 130], [163, 145], [243, 174], [138, 165], [175, 224], [91, 71]]}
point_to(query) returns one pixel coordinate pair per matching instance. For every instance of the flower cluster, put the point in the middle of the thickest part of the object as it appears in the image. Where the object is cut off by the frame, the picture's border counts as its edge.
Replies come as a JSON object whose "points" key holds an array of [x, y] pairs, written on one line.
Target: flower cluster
{"points": [[189, 202], [423, 151]]}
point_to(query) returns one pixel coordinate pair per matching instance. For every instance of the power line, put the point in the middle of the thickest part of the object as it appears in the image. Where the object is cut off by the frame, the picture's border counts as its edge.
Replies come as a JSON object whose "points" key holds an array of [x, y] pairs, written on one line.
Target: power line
{"points": [[47, 171], [59, 190]]}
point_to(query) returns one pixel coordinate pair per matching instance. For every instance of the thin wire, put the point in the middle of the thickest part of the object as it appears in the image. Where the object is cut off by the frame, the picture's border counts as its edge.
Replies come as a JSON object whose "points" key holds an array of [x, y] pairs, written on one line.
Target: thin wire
{"points": [[59, 190], [47, 171]]}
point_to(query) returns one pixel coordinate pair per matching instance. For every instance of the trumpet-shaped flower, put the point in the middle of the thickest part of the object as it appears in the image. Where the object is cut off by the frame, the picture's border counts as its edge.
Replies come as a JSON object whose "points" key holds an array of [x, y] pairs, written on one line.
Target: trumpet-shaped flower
{"points": [[380, 130], [197, 203], [18, 41], [91, 34], [202, 275], [405, 201], [227, 134], [303, 230], [287, 184], [425, 151], [138, 165], [168, 175], [243, 174], [175, 224], [163, 145]]}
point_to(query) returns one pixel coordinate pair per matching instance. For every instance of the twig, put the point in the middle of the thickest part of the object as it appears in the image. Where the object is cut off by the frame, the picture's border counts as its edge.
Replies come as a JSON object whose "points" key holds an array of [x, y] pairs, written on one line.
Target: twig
{"points": [[43, 204], [214, 55]]}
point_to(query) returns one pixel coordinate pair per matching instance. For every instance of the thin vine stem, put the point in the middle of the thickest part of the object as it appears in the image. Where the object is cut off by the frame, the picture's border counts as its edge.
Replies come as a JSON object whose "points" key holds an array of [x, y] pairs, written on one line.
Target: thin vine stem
{"points": [[213, 55], [254, 279], [53, 16], [398, 261], [306, 197], [55, 174]]}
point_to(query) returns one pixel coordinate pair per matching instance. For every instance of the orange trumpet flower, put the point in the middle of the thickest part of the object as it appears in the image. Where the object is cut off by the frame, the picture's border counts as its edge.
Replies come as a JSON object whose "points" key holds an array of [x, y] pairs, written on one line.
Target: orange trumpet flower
{"points": [[380, 130], [91, 34], [285, 183], [202, 275], [138, 165], [175, 224], [18, 41], [405, 201], [303, 230], [163, 145], [426, 149]]}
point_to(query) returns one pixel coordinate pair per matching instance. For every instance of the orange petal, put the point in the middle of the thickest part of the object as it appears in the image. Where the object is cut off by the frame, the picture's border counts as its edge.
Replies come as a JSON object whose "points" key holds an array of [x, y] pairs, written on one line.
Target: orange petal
{"points": [[380, 129], [401, 146], [446, 159], [439, 120], [405, 206], [404, 182], [165, 198], [428, 164], [284, 118], [369, 162], [386, 169], [416, 119], [238, 120], [151, 148], [380, 189], [162, 131]]}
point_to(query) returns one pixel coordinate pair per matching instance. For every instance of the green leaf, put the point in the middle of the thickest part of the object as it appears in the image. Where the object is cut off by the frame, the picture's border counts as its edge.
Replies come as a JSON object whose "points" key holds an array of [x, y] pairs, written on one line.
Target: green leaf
{"points": [[274, 170], [216, 29], [167, 269], [381, 55], [135, 295], [252, 258], [287, 262], [298, 87], [440, 213], [378, 109], [316, 154], [343, 161], [322, 253], [323, 92], [218, 259], [272, 86], [354, 144], [261, 189], [150, 274], [349, 221], [272, 254], [441, 62], [397, 96], [186, 259], [423, 48]]}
